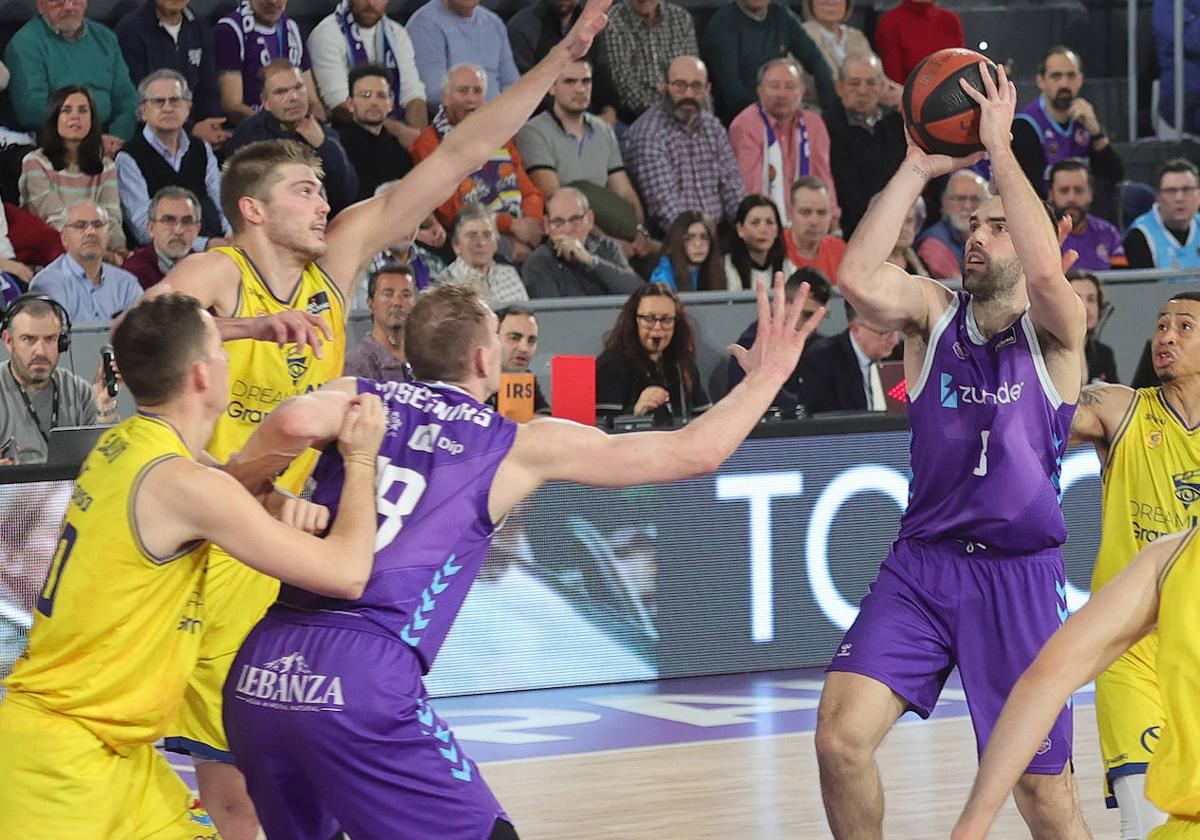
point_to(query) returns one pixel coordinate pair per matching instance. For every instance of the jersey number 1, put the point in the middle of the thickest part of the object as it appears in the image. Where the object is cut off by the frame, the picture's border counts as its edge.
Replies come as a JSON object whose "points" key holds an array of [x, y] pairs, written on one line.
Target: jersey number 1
{"points": [[981, 467]]}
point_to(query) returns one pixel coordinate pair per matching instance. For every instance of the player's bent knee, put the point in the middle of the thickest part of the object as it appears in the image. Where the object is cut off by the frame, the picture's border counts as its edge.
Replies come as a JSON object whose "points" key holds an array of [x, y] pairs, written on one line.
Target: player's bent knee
{"points": [[503, 831], [1048, 804]]}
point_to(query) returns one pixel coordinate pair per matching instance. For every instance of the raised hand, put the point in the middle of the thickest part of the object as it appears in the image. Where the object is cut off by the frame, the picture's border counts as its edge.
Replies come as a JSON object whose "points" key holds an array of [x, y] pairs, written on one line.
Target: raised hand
{"points": [[578, 41], [997, 104], [362, 429], [929, 165], [780, 338]]}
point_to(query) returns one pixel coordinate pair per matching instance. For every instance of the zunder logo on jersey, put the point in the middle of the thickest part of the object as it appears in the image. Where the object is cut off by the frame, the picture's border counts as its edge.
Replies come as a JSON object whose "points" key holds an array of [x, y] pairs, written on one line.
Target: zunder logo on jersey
{"points": [[952, 393], [289, 682]]}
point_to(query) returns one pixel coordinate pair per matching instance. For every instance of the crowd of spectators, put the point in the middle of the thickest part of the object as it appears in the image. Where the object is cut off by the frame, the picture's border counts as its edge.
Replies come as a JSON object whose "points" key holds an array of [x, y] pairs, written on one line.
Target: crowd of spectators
{"points": [[691, 158]]}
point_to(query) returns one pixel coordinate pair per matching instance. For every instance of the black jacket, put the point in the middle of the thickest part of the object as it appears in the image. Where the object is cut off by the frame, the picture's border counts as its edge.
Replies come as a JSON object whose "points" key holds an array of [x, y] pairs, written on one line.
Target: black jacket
{"points": [[863, 160], [830, 378]]}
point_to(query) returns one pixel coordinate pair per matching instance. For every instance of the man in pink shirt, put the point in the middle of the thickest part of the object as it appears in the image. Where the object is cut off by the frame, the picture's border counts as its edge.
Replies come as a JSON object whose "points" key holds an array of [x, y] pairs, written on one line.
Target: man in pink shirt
{"points": [[775, 141]]}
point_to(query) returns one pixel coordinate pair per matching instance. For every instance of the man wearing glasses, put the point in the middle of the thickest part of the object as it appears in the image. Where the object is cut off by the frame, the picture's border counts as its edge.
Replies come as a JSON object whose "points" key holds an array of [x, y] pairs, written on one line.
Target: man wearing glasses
{"points": [[679, 154], [163, 155], [372, 146], [173, 222], [1168, 234], [88, 289], [940, 246], [577, 260]]}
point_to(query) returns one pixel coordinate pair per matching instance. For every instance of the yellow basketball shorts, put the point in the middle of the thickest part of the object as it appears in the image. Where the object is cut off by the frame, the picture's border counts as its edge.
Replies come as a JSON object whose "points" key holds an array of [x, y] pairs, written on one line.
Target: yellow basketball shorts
{"points": [[61, 782], [1177, 828], [1129, 713], [235, 598]]}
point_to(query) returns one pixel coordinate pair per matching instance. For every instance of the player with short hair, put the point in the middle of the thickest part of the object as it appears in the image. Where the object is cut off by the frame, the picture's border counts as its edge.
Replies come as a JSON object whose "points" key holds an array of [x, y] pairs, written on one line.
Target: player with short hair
{"points": [[117, 624], [1154, 594], [374, 759], [1150, 455], [975, 578], [287, 276]]}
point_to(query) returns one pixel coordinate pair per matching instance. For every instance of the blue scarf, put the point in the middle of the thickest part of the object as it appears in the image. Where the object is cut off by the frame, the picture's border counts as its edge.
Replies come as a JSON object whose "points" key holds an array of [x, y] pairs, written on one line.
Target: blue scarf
{"points": [[358, 51]]}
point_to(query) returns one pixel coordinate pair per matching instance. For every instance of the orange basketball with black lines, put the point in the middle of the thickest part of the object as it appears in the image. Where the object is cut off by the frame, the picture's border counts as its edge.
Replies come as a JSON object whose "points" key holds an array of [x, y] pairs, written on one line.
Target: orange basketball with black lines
{"points": [[942, 119]]}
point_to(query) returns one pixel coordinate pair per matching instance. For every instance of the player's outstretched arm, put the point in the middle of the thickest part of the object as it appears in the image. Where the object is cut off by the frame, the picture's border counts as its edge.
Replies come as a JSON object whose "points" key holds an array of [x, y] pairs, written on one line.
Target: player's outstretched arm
{"points": [[882, 293], [547, 449], [1055, 308], [1102, 408], [213, 279], [1091, 640], [181, 501], [361, 231]]}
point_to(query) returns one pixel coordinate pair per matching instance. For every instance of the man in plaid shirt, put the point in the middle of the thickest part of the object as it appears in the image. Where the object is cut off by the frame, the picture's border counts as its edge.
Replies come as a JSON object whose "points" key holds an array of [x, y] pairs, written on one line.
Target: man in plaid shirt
{"points": [[643, 37], [678, 153]]}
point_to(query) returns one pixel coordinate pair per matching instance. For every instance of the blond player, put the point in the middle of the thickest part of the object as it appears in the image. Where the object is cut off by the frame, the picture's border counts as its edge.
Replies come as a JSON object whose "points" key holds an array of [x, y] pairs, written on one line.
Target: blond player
{"points": [[296, 269], [118, 621], [1148, 442], [1160, 587]]}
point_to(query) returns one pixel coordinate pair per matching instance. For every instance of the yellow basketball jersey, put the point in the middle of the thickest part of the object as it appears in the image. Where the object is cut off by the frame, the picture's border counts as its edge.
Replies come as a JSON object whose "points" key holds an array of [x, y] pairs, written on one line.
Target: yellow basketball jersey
{"points": [[1173, 782], [262, 374], [1151, 482], [116, 629]]}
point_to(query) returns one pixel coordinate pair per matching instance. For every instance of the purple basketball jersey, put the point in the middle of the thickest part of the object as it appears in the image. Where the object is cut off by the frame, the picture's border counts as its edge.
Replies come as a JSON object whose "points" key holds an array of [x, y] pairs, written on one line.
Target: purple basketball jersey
{"points": [[1059, 142], [436, 465], [988, 436], [1099, 246], [243, 46]]}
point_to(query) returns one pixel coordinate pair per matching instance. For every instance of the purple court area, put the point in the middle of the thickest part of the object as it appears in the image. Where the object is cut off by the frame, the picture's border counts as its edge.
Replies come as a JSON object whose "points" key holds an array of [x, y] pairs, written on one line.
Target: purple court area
{"points": [[566, 721]]}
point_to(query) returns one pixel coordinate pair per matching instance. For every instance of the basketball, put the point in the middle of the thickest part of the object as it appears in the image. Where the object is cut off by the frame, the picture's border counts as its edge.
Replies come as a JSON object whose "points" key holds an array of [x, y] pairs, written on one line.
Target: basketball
{"points": [[943, 120]]}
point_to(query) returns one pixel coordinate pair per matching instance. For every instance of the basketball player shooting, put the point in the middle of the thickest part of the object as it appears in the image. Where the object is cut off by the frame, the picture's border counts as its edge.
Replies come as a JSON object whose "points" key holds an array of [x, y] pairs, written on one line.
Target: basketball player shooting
{"points": [[1155, 593], [975, 575], [367, 753]]}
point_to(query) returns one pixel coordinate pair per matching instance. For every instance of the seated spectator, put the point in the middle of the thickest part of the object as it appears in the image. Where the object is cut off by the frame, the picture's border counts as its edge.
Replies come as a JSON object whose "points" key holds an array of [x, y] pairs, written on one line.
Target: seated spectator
{"points": [[162, 155], [1101, 362], [502, 185], [808, 241], [648, 366], [741, 35], [518, 329], [576, 259], [88, 290], [867, 140], [820, 290], [34, 334], [679, 154], [448, 33], [1062, 124], [825, 23], [691, 256], [1097, 242], [35, 243], [70, 166], [245, 41], [756, 252], [641, 37], [15, 275], [536, 28], [376, 155], [379, 355], [841, 372], [942, 244], [903, 254], [475, 240], [1162, 21], [286, 115], [59, 49], [776, 141], [358, 34], [167, 35], [173, 222], [566, 146], [1168, 234], [912, 31]]}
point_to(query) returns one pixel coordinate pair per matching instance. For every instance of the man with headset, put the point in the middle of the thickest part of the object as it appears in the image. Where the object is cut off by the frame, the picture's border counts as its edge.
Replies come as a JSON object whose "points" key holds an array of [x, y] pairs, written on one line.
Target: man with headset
{"points": [[36, 395]]}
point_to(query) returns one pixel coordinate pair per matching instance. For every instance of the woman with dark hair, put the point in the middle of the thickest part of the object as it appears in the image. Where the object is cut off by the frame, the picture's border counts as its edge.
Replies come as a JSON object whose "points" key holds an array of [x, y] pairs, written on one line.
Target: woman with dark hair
{"points": [[757, 252], [1101, 362], [648, 366], [691, 255], [70, 166]]}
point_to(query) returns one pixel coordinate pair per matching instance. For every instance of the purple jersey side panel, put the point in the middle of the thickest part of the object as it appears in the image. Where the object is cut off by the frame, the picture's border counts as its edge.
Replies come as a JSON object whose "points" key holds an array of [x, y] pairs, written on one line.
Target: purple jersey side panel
{"points": [[988, 436], [436, 465]]}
